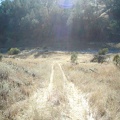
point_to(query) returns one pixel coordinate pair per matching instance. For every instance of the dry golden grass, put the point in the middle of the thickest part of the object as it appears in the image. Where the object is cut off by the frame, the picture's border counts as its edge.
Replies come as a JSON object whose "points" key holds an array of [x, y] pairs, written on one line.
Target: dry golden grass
{"points": [[57, 92], [102, 84], [24, 92], [25, 77]]}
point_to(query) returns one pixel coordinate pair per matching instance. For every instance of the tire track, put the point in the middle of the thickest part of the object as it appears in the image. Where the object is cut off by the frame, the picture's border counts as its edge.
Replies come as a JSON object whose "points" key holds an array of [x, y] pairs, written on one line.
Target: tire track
{"points": [[79, 107], [50, 87], [61, 96]]}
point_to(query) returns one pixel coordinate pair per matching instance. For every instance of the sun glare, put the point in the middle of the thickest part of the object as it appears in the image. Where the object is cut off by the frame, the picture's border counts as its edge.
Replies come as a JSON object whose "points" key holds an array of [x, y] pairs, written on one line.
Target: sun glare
{"points": [[66, 3]]}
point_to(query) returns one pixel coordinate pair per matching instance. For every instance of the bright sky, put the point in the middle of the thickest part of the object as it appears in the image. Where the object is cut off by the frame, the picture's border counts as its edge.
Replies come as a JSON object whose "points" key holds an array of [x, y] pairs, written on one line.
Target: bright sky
{"points": [[0, 1], [66, 3], [63, 3]]}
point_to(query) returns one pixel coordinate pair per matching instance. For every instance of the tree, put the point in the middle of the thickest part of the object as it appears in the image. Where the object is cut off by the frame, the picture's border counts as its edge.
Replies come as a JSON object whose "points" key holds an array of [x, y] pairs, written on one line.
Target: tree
{"points": [[38, 20]]}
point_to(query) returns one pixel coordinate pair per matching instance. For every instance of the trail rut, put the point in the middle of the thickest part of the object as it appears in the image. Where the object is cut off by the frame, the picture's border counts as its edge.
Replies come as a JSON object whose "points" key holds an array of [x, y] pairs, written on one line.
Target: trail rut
{"points": [[61, 100]]}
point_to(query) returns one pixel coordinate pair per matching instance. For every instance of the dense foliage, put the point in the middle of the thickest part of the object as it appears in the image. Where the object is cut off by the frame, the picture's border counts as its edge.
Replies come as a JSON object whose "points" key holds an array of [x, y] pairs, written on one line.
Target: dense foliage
{"points": [[74, 58], [1, 57], [13, 51], [37, 20], [103, 51], [116, 60]]}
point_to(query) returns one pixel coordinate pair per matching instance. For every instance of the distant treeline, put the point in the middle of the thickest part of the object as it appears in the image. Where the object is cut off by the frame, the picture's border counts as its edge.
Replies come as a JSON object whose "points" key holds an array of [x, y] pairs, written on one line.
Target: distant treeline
{"points": [[40, 20]]}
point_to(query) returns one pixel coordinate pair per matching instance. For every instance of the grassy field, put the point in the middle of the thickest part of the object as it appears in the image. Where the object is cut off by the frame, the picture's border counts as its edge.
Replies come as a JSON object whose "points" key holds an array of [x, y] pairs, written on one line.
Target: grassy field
{"points": [[50, 87], [101, 84]]}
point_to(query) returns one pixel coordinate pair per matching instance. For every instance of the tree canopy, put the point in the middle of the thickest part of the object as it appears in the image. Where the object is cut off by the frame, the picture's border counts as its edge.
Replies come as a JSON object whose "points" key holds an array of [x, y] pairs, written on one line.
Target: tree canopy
{"points": [[38, 20]]}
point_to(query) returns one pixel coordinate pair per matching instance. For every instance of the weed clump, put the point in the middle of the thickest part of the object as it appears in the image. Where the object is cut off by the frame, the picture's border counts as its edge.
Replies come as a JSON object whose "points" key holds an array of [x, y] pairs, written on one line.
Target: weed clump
{"points": [[103, 51], [1, 56], [116, 60], [45, 49], [13, 51], [101, 56], [74, 57]]}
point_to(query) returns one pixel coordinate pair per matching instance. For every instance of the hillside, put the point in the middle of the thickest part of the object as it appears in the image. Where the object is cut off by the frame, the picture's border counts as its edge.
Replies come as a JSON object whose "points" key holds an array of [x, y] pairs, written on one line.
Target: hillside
{"points": [[49, 86]]}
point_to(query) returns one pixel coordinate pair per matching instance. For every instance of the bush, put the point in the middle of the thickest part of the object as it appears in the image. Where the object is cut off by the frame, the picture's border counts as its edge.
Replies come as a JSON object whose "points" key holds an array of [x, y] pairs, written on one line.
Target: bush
{"points": [[116, 60], [1, 57], [74, 57], [103, 51], [99, 58], [13, 51], [45, 49]]}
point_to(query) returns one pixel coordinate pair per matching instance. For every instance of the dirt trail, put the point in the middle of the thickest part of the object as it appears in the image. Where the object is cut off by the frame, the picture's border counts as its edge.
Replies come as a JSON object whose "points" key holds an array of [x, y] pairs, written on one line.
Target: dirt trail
{"points": [[79, 106], [50, 87], [60, 101], [76, 105]]}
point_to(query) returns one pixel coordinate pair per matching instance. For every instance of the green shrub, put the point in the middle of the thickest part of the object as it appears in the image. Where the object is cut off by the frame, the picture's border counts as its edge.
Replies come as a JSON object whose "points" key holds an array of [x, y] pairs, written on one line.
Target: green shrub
{"points": [[99, 58], [74, 57], [103, 51], [45, 49], [1, 57], [13, 51], [116, 60]]}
